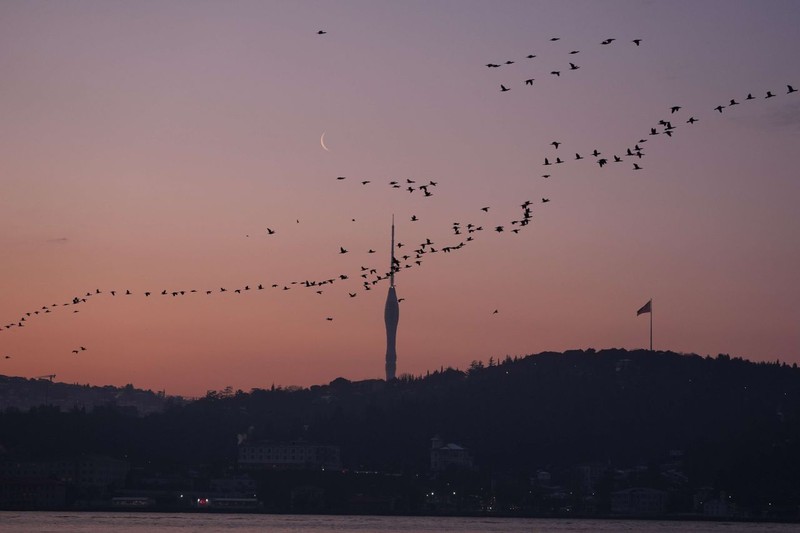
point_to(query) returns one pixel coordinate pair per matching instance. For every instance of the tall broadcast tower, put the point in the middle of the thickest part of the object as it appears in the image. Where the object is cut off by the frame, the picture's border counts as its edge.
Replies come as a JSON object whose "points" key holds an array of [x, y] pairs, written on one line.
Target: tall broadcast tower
{"points": [[391, 316]]}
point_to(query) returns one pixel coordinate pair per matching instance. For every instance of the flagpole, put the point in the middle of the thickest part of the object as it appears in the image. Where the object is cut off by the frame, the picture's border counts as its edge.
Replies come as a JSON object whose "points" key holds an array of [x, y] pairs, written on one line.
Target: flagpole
{"points": [[648, 308], [651, 324]]}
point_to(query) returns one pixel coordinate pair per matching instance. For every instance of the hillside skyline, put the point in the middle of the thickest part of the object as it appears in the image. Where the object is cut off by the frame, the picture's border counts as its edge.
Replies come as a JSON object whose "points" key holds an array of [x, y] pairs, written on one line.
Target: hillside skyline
{"points": [[554, 428], [179, 147]]}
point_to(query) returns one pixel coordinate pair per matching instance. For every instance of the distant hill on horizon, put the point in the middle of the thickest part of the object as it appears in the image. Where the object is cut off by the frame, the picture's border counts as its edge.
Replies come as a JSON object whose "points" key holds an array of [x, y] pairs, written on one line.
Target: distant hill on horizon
{"points": [[25, 393]]}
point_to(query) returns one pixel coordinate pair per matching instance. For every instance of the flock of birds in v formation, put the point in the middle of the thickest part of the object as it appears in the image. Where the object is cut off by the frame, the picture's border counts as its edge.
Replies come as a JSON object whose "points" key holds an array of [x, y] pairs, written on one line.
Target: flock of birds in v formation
{"points": [[464, 232]]}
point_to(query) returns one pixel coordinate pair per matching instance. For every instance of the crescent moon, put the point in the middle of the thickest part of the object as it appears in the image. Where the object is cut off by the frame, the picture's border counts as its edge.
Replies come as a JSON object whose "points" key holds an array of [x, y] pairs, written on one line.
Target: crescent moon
{"points": [[322, 142]]}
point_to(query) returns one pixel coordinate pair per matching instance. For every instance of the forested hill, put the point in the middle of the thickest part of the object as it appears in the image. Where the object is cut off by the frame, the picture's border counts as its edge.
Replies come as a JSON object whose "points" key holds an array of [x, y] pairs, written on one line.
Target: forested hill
{"points": [[24, 393], [736, 422]]}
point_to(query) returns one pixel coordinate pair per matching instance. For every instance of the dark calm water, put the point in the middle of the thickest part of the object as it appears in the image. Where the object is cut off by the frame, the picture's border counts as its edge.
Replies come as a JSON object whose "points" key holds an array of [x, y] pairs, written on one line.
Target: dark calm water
{"points": [[36, 522]]}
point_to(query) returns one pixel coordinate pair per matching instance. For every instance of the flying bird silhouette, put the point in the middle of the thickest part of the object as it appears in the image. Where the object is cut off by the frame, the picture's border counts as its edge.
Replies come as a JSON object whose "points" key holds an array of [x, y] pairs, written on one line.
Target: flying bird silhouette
{"points": [[503, 88]]}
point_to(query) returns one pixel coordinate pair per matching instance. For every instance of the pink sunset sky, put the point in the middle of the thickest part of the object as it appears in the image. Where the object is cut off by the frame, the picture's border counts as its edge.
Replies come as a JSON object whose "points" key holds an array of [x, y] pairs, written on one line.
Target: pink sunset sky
{"points": [[148, 146]]}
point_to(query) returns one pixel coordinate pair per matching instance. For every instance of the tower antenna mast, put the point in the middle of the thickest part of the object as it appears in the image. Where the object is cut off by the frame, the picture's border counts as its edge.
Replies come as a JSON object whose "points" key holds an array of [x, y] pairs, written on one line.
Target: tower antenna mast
{"points": [[391, 261]]}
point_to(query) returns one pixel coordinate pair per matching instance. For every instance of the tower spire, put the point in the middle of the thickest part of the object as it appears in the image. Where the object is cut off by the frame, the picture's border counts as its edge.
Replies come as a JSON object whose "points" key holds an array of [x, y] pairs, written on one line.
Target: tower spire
{"points": [[392, 260]]}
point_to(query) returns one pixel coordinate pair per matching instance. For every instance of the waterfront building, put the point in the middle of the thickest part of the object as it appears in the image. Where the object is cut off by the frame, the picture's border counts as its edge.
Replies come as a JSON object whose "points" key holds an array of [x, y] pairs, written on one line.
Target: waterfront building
{"points": [[289, 456]]}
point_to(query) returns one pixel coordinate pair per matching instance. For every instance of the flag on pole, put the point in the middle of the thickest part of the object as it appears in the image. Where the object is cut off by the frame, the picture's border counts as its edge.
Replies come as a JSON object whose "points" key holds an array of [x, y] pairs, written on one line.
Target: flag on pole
{"points": [[646, 308]]}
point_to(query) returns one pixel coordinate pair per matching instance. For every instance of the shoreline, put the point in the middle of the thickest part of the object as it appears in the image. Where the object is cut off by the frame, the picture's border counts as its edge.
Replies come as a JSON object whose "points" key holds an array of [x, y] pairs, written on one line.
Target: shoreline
{"points": [[532, 516]]}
